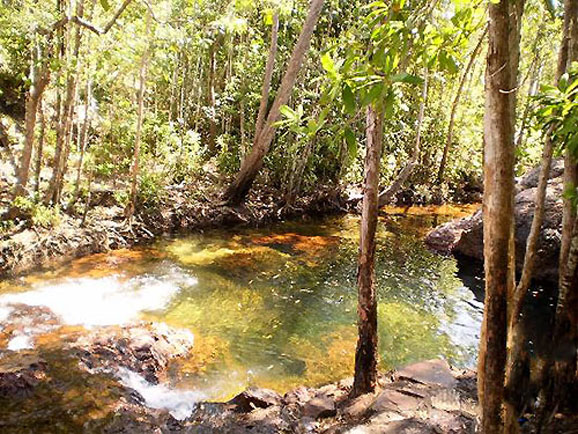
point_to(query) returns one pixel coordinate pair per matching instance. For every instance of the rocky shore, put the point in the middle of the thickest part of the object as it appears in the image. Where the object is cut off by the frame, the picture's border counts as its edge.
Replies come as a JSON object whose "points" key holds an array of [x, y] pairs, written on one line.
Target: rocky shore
{"points": [[465, 236], [85, 381]]}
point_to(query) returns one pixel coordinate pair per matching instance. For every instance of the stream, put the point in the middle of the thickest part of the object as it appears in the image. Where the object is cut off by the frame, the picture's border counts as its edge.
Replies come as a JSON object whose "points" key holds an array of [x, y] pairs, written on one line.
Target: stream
{"points": [[271, 307]]}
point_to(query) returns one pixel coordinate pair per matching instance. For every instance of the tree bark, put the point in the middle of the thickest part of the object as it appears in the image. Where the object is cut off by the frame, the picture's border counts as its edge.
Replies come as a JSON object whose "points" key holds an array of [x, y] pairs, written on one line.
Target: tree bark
{"points": [[65, 127], [518, 368], [39, 148], [129, 211], [387, 195], [83, 138], [563, 374], [456, 103], [253, 162], [269, 67], [39, 78], [498, 206], [211, 99], [365, 377]]}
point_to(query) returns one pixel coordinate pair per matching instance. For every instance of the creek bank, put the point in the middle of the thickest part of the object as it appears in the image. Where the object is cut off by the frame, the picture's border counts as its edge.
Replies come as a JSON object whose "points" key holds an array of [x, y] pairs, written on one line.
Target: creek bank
{"points": [[465, 236], [81, 373], [189, 209]]}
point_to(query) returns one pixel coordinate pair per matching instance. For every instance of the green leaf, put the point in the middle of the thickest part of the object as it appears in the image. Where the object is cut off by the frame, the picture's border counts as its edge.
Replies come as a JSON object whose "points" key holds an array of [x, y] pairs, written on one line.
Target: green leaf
{"points": [[404, 77], [373, 94], [351, 143], [348, 99], [105, 4], [328, 63]]}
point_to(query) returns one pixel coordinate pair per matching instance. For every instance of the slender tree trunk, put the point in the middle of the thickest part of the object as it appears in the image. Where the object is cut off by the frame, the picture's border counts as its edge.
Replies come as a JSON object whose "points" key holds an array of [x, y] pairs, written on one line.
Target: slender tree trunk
{"points": [[269, 68], [498, 209], [39, 78], [365, 377], [532, 91], [387, 195], [518, 369], [253, 162], [83, 137], [129, 212], [63, 139], [455, 104], [211, 99], [562, 372], [39, 148]]}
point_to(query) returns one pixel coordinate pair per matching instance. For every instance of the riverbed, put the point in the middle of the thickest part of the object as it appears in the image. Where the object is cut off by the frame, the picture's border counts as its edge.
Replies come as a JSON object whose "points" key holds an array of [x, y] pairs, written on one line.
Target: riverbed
{"points": [[271, 307]]}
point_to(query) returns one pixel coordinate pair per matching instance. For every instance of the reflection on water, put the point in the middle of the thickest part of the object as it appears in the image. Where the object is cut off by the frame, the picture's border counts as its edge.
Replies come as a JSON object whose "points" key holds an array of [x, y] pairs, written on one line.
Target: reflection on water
{"points": [[273, 307]]}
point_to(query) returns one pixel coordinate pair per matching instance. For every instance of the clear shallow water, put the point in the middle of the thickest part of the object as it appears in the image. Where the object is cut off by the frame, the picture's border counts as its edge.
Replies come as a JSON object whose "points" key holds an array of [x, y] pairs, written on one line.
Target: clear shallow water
{"points": [[273, 307]]}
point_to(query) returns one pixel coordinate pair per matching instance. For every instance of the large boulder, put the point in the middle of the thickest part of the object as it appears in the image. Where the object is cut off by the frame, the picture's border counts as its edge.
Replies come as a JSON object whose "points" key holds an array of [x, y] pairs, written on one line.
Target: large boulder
{"points": [[465, 236]]}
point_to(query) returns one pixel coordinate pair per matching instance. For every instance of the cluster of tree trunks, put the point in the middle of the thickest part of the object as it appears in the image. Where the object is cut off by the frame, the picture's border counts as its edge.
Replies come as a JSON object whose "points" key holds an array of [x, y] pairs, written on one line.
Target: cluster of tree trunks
{"points": [[505, 369], [252, 163], [47, 43]]}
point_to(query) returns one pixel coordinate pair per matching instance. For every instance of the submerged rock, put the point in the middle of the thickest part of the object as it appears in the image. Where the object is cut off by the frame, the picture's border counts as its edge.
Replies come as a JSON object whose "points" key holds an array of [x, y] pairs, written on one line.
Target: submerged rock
{"points": [[465, 236]]}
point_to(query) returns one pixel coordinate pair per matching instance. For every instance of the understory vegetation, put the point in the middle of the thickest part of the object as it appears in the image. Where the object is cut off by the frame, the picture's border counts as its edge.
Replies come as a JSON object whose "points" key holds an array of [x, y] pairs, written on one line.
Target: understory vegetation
{"points": [[195, 71]]}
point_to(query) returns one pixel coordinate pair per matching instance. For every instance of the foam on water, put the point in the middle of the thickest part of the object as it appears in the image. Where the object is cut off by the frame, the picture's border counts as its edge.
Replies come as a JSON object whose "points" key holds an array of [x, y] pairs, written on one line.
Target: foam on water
{"points": [[102, 301], [20, 342], [180, 403]]}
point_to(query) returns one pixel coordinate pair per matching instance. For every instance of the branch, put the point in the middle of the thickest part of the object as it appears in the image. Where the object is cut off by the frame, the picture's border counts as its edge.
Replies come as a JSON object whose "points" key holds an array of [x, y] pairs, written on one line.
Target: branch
{"points": [[79, 21]]}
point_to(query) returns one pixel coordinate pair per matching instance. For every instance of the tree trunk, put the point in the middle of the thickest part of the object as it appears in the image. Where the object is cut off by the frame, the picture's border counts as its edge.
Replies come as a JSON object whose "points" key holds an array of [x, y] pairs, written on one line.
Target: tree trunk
{"points": [[518, 368], [65, 127], [39, 78], [456, 103], [253, 162], [129, 212], [83, 138], [498, 206], [563, 374], [365, 377], [39, 148], [387, 195], [269, 67], [212, 100]]}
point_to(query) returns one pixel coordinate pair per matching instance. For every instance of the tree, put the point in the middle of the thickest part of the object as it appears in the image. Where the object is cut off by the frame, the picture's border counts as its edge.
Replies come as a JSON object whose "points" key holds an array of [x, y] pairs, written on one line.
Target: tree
{"points": [[499, 157], [39, 78], [387, 195], [456, 102], [365, 377], [518, 368], [129, 211], [253, 162]]}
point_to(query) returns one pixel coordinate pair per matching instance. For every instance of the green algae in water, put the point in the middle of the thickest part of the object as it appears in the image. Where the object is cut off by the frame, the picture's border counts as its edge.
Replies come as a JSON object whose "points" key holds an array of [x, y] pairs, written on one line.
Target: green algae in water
{"points": [[276, 307]]}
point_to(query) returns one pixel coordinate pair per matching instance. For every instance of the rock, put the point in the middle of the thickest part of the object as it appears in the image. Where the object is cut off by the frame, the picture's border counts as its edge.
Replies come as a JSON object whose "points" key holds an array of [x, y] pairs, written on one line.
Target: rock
{"points": [[394, 400], [19, 377], [320, 407], [357, 407], [255, 398], [144, 349], [530, 179], [465, 236], [434, 372]]}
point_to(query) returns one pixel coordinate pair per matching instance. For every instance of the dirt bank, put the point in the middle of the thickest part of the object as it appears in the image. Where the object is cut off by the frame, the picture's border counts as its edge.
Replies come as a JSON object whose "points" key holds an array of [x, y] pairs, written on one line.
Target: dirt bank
{"points": [[188, 209]]}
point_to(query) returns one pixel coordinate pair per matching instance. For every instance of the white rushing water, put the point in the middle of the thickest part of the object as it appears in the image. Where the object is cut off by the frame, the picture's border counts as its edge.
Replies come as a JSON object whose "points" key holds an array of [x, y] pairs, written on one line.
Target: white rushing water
{"points": [[20, 342], [102, 301], [179, 403]]}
